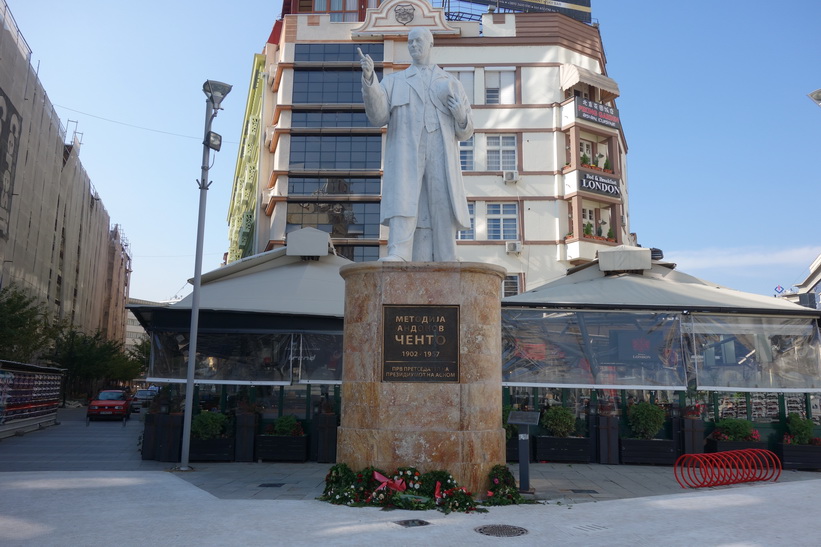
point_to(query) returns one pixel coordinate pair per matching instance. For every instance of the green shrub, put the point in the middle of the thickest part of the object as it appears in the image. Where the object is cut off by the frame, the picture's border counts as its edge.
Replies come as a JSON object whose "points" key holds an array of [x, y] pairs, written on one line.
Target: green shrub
{"points": [[645, 419], [209, 425], [560, 421], [800, 428], [735, 429], [288, 426]]}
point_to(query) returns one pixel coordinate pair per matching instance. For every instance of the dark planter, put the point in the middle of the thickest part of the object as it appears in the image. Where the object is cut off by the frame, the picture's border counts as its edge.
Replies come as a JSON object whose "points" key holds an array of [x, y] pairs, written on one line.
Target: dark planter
{"points": [[724, 446], [649, 451], [325, 434], [212, 450], [692, 433], [169, 437], [563, 449], [149, 442], [245, 431], [799, 456], [282, 449], [512, 449], [608, 437]]}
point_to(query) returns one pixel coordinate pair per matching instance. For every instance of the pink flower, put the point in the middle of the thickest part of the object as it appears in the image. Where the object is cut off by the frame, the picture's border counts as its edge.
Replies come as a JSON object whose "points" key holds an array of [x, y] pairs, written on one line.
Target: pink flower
{"points": [[495, 481]]}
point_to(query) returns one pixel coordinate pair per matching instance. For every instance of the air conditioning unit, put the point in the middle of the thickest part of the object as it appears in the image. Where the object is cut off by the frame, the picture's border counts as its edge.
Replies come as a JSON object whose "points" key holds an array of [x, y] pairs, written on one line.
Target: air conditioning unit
{"points": [[511, 177], [513, 247]]}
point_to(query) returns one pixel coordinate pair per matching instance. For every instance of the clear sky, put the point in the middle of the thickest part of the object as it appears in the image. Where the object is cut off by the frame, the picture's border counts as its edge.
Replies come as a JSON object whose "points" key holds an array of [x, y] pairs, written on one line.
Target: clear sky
{"points": [[722, 139]]}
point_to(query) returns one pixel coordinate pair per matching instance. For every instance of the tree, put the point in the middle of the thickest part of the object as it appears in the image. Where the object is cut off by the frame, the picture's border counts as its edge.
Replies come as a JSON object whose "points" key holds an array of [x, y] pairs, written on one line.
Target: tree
{"points": [[91, 362], [26, 330], [141, 353]]}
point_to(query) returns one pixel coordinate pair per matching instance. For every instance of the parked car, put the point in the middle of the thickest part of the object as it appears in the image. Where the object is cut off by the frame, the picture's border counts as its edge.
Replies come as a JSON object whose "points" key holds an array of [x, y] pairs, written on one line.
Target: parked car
{"points": [[109, 404], [142, 399]]}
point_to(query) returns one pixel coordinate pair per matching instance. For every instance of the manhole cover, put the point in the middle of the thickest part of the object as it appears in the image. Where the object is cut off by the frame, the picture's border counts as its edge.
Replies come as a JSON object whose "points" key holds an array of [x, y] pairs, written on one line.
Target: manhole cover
{"points": [[411, 522], [501, 530], [271, 484]]}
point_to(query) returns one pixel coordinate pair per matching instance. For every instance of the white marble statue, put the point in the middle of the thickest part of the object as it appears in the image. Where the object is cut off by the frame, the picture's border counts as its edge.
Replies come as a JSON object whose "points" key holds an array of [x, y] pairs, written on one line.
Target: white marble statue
{"points": [[427, 114]]}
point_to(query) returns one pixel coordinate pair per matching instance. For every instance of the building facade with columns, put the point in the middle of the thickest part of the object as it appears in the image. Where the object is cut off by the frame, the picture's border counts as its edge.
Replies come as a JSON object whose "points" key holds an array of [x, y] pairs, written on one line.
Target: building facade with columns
{"points": [[545, 171]]}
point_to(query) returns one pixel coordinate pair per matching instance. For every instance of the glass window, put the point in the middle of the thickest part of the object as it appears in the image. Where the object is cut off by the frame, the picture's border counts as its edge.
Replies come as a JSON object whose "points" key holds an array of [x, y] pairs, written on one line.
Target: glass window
{"points": [[466, 78], [755, 353], [319, 358], [499, 87], [502, 221], [598, 349], [328, 86], [510, 286], [358, 253], [329, 118], [466, 154], [501, 152], [341, 219], [334, 186], [336, 152], [468, 234]]}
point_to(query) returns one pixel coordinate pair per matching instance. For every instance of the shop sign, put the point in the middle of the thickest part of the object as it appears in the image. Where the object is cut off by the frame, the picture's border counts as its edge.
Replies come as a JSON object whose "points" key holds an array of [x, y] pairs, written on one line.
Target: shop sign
{"points": [[420, 344], [577, 9], [598, 113], [600, 184]]}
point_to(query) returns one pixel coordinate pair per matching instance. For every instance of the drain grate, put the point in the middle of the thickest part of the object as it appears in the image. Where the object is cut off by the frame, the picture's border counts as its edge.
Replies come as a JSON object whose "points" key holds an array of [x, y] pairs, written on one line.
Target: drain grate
{"points": [[501, 530], [591, 527], [272, 484], [411, 523], [585, 491]]}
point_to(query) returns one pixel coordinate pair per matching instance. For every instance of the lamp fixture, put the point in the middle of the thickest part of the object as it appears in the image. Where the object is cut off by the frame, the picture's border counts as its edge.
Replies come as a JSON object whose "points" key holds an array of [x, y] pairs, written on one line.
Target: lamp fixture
{"points": [[815, 96], [213, 141], [216, 92]]}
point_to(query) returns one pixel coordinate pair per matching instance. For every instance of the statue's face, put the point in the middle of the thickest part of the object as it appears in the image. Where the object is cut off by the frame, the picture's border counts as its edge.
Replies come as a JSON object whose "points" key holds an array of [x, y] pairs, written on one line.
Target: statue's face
{"points": [[419, 44]]}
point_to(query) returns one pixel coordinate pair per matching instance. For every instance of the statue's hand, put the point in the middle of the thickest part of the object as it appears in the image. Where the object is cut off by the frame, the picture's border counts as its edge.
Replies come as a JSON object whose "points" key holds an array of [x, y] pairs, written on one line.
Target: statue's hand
{"points": [[366, 63], [458, 109]]}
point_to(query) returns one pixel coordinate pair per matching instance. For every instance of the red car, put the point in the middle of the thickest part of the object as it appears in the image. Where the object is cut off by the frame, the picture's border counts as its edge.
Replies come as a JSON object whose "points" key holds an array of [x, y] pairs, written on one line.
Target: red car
{"points": [[110, 404]]}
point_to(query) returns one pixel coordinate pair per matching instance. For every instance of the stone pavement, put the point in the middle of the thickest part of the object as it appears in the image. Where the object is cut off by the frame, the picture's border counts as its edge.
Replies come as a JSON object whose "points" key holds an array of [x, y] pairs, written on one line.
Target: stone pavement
{"points": [[74, 484]]}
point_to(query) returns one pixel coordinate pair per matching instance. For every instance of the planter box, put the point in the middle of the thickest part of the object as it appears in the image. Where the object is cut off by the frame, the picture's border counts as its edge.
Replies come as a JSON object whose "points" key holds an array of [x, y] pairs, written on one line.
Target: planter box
{"points": [[281, 449], [692, 434], [608, 436], [211, 450], [724, 446], [563, 449], [149, 442], [325, 435], [799, 456], [512, 449], [168, 437], [648, 451], [245, 431]]}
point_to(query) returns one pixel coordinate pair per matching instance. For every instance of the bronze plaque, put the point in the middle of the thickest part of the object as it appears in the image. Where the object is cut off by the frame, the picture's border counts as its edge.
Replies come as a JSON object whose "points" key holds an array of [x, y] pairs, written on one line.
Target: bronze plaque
{"points": [[421, 344]]}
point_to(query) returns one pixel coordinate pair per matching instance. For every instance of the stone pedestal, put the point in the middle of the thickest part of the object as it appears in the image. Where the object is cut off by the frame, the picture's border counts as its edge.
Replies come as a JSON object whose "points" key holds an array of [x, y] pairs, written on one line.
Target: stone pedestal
{"points": [[431, 418]]}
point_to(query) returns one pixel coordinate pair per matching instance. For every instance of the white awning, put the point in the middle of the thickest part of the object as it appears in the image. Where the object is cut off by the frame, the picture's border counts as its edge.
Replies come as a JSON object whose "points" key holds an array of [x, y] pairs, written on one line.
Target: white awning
{"points": [[573, 74]]}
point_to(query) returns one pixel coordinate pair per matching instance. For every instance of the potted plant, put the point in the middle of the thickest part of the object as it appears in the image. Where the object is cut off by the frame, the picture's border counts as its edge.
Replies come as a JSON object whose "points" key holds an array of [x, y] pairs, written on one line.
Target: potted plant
{"points": [[560, 445], [646, 420], [734, 434], [283, 440], [588, 229], [607, 167], [585, 159], [799, 449], [211, 438]]}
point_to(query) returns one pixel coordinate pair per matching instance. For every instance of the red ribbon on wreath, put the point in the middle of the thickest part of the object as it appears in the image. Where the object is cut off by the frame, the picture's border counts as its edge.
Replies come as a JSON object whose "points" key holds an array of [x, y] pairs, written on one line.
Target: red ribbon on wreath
{"points": [[398, 485]]}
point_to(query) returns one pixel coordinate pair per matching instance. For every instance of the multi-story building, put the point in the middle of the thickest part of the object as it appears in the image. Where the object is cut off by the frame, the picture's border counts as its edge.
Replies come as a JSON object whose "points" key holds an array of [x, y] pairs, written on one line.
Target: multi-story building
{"points": [[56, 239], [545, 171]]}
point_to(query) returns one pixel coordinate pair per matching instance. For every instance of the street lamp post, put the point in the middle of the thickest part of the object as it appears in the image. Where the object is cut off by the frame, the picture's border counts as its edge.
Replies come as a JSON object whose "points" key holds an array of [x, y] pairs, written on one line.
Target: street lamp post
{"points": [[815, 96], [215, 92]]}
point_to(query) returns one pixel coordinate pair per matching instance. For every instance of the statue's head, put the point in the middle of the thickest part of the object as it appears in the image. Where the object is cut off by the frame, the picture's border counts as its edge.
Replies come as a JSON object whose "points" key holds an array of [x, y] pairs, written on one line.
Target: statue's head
{"points": [[420, 42]]}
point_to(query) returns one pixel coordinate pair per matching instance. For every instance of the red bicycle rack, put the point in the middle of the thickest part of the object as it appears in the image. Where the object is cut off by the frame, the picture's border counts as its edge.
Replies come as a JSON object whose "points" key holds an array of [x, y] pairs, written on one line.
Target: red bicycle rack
{"points": [[730, 467]]}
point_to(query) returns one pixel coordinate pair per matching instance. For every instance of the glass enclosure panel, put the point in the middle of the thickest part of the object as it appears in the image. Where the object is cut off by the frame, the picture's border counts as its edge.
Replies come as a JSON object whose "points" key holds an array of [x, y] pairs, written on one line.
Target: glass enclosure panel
{"points": [[746, 353], [295, 401], [764, 407], [732, 405], [592, 349], [795, 402], [320, 358]]}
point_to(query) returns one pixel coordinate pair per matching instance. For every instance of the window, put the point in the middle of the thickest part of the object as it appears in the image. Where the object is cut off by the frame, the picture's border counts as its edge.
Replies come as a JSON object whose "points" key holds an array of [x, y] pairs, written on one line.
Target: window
{"points": [[333, 186], [318, 86], [341, 10], [510, 286], [329, 118], [358, 253], [466, 78], [466, 154], [339, 218], [468, 234], [585, 149], [336, 152], [499, 87], [502, 221], [337, 52], [501, 152]]}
